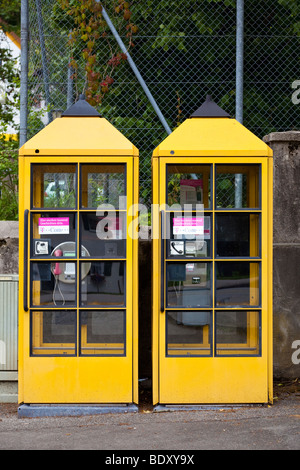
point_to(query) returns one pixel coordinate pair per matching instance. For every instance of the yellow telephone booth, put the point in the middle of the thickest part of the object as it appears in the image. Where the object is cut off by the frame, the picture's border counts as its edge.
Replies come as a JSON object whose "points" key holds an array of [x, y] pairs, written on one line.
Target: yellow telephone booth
{"points": [[212, 263], [78, 318]]}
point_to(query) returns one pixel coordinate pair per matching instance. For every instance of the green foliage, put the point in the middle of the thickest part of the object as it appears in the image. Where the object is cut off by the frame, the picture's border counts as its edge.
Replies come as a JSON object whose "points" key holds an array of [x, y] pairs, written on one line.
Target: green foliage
{"points": [[8, 178], [9, 75], [10, 15]]}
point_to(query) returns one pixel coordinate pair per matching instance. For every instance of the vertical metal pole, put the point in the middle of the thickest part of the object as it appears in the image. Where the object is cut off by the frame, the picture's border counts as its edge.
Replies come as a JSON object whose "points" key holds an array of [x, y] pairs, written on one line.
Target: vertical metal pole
{"points": [[239, 60], [70, 86], [239, 94], [44, 57], [24, 73]]}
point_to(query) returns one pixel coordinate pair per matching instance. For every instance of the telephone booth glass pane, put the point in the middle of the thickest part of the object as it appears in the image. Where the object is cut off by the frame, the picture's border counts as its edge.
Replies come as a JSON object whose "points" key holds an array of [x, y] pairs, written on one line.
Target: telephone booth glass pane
{"points": [[103, 236], [53, 284], [54, 234], [53, 332], [102, 332], [237, 186], [188, 284], [237, 333], [54, 186], [188, 184], [237, 235], [102, 283], [103, 184], [188, 333], [237, 283]]}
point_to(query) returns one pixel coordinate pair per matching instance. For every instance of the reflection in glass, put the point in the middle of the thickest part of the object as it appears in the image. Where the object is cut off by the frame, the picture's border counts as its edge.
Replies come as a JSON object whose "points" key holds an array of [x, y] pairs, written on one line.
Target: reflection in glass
{"points": [[237, 333], [188, 284], [188, 184], [54, 234], [54, 186], [237, 235], [103, 236], [102, 184], [53, 284], [103, 283], [237, 186], [237, 283], [188, 333], [102, 332], [53, 332]]}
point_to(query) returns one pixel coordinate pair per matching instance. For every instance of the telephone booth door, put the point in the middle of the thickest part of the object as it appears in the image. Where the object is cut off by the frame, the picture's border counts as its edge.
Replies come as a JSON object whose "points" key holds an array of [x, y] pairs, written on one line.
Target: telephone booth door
{"points": [[77, 269], [211, 269]]}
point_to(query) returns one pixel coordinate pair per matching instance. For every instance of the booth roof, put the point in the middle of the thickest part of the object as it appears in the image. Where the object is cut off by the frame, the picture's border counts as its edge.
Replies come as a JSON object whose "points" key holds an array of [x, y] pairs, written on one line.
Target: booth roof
{"points": [[210, 132], [80, 136]]}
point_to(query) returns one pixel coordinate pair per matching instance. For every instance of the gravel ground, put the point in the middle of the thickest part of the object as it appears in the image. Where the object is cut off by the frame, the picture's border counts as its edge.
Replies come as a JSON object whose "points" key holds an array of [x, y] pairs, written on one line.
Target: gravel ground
{"points": [[255, 427]]}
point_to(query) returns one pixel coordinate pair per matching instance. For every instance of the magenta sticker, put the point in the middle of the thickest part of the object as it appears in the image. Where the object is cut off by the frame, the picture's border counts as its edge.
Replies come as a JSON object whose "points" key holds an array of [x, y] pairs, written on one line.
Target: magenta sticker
{"points": [[188, 225], [54, 225]]}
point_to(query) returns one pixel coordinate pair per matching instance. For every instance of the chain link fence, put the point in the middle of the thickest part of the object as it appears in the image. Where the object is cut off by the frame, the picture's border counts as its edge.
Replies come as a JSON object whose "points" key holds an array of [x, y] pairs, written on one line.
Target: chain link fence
{"points": [[183, 51]]}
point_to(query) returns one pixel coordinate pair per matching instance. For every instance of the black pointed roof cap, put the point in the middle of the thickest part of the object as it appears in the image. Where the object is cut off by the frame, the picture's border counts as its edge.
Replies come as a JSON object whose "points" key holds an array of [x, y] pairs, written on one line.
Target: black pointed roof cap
{"points": [[81, 109], [209, 109]]}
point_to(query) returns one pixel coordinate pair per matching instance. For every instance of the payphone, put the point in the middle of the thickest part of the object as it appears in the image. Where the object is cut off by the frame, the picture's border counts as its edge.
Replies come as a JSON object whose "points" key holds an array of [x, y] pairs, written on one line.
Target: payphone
{"points": [[212, 263], [78, 318]]}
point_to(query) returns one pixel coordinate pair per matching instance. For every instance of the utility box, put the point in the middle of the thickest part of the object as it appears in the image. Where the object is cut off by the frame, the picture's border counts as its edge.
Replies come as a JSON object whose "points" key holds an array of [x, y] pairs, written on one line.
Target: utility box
{"points": [[78, 323], [212, 263], [9, 284]]}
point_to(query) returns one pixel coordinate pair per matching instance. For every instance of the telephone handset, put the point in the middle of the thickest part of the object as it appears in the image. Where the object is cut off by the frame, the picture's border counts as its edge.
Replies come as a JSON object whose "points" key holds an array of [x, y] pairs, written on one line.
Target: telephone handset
{"points": [[64, 271], [57, 271], [173, 245]]}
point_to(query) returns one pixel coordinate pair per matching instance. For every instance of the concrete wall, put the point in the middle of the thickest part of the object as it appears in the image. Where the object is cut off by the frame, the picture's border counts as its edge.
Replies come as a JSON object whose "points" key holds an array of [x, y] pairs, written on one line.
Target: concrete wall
{"points": [[286, 249], [9, 247]]}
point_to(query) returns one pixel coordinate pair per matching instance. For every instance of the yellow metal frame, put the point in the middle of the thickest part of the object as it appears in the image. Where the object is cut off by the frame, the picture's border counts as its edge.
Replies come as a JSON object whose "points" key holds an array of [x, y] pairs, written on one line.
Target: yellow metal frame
{"points": [[218, 379], [79, 379]]}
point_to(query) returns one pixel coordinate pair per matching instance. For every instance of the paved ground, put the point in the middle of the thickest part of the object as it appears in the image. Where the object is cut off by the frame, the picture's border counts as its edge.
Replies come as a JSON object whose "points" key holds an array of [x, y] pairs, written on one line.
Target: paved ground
{"points": [[274, 427]]}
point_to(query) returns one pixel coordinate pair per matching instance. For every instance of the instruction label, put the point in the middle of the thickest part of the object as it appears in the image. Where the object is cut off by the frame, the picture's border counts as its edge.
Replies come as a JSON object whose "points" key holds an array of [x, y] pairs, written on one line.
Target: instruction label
{"points": [[188, 225], [54, 225]]}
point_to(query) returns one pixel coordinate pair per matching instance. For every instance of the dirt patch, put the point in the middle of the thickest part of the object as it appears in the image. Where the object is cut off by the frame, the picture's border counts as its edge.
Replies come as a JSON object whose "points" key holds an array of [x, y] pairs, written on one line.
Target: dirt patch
{"points": [[7, 409], [285, 387]]}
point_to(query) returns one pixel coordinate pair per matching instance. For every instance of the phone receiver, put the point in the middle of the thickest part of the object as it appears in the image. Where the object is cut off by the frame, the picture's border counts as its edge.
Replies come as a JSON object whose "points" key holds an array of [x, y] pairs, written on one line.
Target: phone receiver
{"points": [[180, 252], [57, 271]]}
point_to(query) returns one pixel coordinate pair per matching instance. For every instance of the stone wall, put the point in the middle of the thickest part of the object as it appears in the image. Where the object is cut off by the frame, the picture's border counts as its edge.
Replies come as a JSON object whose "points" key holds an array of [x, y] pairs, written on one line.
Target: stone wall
{"points": [[9, 247], [286, 250]]}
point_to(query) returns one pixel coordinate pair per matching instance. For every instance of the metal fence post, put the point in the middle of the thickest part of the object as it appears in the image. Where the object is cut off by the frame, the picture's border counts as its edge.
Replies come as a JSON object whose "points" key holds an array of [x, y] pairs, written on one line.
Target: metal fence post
{"points": [[239, 60], [239, 93], [24, 72], [44, 57]]}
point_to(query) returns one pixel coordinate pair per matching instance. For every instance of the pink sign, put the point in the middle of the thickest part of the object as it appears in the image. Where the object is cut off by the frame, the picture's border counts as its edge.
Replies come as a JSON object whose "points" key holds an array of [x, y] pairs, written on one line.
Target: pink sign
{"points": [[54, 225], [188, 225]]}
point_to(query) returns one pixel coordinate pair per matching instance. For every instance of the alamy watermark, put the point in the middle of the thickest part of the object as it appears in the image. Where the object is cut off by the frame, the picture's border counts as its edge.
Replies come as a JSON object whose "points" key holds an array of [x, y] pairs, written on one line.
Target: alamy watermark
{"points": [[296, 94], [296, 354], [185, 221]]}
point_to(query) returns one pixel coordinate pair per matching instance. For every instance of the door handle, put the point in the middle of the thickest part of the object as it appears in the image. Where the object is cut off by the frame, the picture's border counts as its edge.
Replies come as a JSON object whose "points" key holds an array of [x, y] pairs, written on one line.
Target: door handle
{"points": [[162, 262], [25, 283]]}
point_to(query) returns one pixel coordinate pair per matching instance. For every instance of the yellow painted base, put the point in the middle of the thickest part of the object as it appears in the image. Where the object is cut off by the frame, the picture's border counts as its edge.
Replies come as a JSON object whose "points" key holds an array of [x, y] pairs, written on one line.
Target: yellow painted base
{"points": [[211, 380], [77, 380]]}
